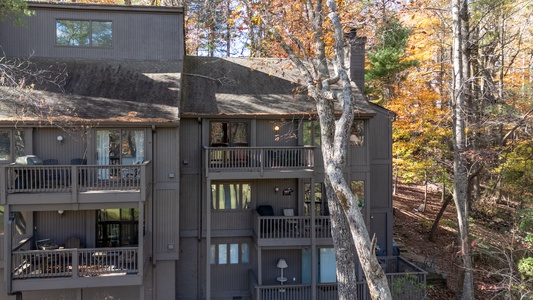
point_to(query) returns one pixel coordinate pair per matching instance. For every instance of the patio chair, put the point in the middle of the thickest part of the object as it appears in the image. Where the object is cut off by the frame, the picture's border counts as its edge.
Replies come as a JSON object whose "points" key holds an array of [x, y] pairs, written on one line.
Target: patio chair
{"points": [[266, 211]]}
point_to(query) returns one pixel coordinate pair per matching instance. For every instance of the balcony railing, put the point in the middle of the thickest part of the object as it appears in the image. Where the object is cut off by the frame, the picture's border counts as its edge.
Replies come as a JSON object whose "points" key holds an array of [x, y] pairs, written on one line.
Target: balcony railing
{"points": [[79, 178], [259, 159], [297, 227], [74, 263], [406, 283]]}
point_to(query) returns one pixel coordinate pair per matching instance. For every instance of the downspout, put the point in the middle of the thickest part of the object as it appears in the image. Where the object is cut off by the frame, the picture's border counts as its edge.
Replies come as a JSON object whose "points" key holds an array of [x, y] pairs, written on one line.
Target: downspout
{"points": [[200, 204], [152, 212]]}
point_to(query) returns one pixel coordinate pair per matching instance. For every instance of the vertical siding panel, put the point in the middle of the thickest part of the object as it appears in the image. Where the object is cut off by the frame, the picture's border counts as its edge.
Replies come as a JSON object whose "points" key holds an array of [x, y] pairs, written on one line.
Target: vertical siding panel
{"points": [[166, 197], [46, 146], [189, 203], [189, 147], [58, 228], [266, 136], [131, 38], [271, 272]]}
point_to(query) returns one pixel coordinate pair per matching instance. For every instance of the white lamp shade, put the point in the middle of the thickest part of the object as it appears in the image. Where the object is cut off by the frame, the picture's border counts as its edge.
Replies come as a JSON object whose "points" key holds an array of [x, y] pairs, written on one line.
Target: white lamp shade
{"points": [[282, 264]]}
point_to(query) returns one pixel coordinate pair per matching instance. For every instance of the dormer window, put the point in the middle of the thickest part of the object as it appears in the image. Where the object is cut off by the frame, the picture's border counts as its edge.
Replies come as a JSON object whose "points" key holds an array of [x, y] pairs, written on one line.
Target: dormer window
{"points": [[84, 33]]}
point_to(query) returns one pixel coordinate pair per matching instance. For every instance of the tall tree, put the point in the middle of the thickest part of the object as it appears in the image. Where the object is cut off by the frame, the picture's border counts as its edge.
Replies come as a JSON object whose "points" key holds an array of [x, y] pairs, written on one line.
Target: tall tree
{"points": [[460, 167], [316, 49]]}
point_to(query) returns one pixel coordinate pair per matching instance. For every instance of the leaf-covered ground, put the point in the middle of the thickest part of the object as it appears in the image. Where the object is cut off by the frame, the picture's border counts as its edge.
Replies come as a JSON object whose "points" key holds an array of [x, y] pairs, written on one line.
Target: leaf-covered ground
{"points": [[411, 230]]}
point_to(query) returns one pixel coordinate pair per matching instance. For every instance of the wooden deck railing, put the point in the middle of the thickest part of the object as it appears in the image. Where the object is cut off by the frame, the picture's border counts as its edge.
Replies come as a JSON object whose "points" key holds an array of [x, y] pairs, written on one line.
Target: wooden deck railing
{"points": [[408, 283], [74, 262], [280, 227], [258, 158], [80, 178]]}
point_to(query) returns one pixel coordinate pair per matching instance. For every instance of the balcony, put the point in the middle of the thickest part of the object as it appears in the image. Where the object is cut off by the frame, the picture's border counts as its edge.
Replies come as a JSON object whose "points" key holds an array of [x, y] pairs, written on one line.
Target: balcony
{"points": [[407, 282], [74, 183], [259, 160], [74, 268], [296, 231]]}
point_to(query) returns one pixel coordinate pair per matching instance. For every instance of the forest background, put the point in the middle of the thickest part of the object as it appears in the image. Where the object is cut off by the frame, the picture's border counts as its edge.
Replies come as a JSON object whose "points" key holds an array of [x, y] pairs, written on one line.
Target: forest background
{"points": [[409, 70]]}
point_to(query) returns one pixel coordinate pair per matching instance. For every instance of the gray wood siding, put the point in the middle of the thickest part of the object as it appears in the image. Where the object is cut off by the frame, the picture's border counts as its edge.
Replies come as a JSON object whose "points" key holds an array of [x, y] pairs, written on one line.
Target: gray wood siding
{"points": [[46, 146], [359, 155], [265, 195], [379, 225], [379, 137], [166, 195], [189, 202], [231, 219], [58, 228], [190, 150], [166, 225], [187, 269], [380, 186], [137, 34], [266, 136], [270, 259]]}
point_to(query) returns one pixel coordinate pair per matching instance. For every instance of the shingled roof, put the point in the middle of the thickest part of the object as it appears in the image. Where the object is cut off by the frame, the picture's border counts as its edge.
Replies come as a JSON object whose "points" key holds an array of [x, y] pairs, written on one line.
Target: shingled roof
{"points": [[248, 86], [103, 91]]}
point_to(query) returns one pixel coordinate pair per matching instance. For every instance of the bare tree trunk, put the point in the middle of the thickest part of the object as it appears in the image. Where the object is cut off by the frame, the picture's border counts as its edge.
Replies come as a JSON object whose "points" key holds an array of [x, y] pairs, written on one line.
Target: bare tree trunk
{"points": [[345, 253], [445, 202], [466, 291]]}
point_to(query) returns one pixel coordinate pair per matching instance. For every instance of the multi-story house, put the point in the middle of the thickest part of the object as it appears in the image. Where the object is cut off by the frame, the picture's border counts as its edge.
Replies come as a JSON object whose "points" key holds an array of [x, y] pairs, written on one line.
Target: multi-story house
{"points": [[146, 174]]}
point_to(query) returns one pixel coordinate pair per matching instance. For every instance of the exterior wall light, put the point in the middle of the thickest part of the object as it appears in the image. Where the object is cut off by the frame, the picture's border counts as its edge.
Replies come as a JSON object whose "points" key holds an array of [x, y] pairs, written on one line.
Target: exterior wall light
{"points": [[60, 139], [276, 189], [276, 129]]}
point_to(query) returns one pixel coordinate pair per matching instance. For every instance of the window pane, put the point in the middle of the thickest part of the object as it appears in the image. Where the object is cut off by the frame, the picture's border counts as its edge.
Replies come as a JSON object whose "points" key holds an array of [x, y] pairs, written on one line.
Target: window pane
{"points": [[214, 197], [245, 253], [239, 134], [307, 133], [20, 144], [357, 134], [72, 33], [132, 147], [234, 253], [5, 146], [222, 254], [102, 34], [358, 190], [246, 195], [219, 134], [213, 254]]}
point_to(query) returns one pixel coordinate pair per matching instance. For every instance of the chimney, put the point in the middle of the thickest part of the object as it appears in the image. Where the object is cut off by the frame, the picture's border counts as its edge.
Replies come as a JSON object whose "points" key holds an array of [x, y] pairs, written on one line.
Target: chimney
{"points": [[355, 57]]}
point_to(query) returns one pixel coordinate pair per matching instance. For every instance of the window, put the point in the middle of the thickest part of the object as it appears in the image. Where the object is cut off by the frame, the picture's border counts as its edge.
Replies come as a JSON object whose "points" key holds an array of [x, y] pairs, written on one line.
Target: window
{"points": [[84, 33], [321, 201], [227, 196], [230, 254], [311, 133], [358, 190], [117, 227], [11, 145], [357, 133], [119, 147], [229, 134]]}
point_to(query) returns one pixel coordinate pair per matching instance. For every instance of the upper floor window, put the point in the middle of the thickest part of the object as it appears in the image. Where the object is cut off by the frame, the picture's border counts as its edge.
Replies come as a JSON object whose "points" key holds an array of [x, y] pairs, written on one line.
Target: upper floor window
{"points": [[120, 147], [229, 134], [320, 200], [84, 33], [11, 145], [231, 195], [357, 133], [311, 133]]}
